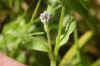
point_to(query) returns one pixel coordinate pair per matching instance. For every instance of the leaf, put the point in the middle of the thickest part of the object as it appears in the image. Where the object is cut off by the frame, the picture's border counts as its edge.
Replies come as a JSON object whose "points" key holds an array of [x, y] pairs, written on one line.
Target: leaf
{"points": [[72, 51], [37, 33], [18, 33], [53, 7], [69, 25], [12, 33], [38, 44]]}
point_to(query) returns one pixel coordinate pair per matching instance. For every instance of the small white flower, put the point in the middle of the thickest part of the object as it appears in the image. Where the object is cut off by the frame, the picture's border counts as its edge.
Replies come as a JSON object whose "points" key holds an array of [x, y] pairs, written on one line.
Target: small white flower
{"points": [[45, 17]]}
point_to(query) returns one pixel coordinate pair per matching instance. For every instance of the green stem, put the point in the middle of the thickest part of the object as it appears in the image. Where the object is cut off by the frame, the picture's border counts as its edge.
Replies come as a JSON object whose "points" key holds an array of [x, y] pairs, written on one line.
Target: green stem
{"points": [[35, 12], [77, 47], [18, 5], [50, 53], [10, 3], [56, 50]]}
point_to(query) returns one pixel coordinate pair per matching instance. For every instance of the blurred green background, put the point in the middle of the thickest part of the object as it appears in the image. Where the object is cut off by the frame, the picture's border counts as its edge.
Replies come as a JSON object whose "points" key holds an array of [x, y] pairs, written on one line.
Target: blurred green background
{"points": [[22, 36]]}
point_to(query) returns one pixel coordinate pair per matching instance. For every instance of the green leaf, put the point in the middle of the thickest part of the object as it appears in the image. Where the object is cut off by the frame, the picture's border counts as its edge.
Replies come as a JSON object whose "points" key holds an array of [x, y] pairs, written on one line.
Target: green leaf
{"points": [[37, 33], [38, 44], [69, 26]]}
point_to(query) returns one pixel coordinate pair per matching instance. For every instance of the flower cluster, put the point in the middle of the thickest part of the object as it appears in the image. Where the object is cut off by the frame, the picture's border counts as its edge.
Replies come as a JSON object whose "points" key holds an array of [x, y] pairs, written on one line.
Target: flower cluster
{"points": [[45, 17]]}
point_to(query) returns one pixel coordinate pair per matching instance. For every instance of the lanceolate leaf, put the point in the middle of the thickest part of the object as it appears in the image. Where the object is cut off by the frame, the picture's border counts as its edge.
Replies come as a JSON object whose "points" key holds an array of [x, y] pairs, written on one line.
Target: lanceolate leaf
{"points": [[69, 26]]}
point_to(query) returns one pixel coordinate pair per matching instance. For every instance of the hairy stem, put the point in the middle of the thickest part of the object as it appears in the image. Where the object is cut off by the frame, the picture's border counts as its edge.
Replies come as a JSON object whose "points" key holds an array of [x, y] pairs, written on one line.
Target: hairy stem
{"points": [[50, 53]]}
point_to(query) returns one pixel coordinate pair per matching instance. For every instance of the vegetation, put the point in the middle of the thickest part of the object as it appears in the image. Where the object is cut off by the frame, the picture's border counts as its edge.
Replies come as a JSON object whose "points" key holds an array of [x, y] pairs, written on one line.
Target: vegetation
{"points": [[51, 32]]}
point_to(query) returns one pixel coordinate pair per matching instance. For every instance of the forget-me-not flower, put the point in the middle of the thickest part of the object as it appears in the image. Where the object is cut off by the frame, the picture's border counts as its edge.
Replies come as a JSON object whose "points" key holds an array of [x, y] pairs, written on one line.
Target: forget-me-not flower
{"points": [[45, 17]]}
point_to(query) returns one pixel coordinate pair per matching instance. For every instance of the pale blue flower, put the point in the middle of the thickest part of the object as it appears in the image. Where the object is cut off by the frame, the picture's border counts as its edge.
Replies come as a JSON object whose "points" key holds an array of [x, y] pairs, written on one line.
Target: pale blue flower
{"points": [[45, 17]]}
